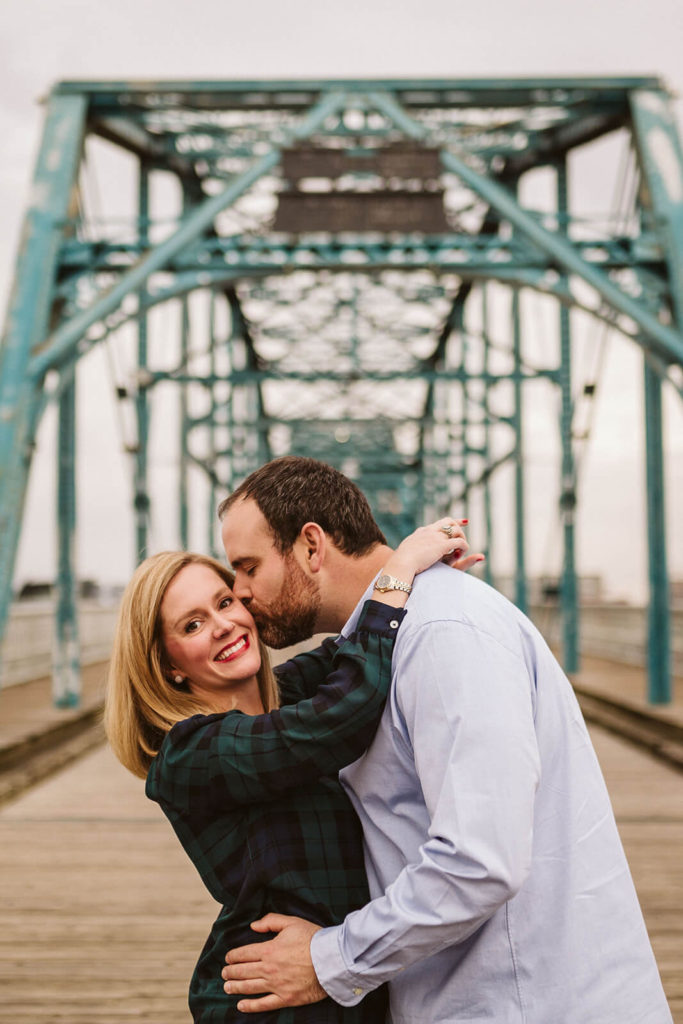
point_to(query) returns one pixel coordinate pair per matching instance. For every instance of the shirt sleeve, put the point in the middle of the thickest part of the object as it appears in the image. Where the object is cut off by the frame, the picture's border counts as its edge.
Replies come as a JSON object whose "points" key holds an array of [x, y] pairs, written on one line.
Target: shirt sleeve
{"points": [[233, 759], [301, 676], [466, 712]]}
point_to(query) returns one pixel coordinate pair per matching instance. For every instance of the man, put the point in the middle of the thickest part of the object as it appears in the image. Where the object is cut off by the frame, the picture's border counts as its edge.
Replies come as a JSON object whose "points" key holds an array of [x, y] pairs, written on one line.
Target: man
{"points": [[500, 887]]}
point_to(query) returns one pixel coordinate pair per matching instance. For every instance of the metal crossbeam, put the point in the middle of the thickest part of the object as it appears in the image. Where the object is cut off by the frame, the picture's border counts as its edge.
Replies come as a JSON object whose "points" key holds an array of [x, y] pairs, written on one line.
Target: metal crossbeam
{"points": [[371, 348], [452, 252]]}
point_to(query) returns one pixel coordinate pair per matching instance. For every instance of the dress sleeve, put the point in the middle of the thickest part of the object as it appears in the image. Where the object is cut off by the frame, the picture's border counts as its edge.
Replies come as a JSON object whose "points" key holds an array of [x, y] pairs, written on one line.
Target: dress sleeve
{"points": [[301, 676], [231, 759]]}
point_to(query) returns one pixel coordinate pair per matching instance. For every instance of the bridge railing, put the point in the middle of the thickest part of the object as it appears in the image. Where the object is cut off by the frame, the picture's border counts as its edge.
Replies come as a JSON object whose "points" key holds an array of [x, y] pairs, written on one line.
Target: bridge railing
{"points": [[616, 632], [613, 631], [27, 650]]}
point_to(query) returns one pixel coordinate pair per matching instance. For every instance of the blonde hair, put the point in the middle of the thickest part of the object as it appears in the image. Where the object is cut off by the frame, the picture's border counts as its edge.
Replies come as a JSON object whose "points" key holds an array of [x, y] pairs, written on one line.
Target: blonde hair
{"points": [[141, 705]]}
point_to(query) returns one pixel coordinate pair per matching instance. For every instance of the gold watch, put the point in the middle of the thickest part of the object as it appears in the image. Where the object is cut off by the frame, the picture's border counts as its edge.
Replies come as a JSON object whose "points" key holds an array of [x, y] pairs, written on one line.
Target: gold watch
{"points": [[386, 582]]}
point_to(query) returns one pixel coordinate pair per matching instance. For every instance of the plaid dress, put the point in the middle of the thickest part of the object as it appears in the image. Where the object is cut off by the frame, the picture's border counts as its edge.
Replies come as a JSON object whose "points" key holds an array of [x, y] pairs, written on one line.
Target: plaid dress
{"points": [[256, 803]]}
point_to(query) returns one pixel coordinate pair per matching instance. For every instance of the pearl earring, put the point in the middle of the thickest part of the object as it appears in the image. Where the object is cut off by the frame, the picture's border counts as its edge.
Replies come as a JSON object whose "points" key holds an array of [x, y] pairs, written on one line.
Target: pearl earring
{"points": [[178, 679]]}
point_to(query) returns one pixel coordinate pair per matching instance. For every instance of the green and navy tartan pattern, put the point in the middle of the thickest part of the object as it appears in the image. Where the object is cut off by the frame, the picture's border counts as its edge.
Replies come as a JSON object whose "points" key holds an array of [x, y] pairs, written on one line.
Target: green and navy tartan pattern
{"points": [[256, 803]]}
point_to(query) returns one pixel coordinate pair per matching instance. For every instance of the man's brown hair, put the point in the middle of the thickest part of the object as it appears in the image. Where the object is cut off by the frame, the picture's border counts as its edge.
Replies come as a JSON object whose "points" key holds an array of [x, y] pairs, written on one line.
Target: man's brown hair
{"points": [[294, 490]]}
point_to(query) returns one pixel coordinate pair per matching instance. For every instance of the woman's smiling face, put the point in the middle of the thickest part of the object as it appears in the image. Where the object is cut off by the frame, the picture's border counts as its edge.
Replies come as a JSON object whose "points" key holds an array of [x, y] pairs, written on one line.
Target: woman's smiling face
{"points": [[210, 639]]}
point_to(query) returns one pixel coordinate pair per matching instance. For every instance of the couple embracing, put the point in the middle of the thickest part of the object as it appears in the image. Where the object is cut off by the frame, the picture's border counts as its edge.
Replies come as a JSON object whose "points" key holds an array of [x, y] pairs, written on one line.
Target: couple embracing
{"points": [[415, 803]]}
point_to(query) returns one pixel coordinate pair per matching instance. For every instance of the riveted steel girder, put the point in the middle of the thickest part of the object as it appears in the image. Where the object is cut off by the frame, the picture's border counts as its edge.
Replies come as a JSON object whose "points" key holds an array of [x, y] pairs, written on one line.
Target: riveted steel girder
{"points": [[667, 341], [374, 348], [31, 309]]}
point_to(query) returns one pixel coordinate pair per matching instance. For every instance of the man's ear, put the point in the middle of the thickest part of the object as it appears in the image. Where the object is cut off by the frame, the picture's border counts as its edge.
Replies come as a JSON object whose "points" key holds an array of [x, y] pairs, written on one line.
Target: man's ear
{"points": [[313, 542]]}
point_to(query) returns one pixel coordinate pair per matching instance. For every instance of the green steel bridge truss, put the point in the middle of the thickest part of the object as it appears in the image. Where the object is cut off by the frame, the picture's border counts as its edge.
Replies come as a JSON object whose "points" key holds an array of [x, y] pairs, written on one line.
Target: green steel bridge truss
{"points": [[344, 243]]}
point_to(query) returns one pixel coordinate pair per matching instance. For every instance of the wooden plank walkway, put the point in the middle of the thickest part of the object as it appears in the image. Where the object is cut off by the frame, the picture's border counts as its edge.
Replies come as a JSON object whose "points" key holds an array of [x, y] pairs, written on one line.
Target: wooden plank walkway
{"points": [[103, 916], [647, 797]]}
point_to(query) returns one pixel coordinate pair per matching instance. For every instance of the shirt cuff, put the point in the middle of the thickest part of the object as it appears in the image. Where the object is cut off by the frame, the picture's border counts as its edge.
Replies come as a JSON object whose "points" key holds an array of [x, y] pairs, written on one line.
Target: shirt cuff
{"points": [[345, 988], [377, 617]]}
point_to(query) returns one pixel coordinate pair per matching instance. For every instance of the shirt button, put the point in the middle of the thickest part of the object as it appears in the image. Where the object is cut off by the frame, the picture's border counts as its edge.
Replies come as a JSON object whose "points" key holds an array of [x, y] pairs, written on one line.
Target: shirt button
{"points": [[394, 625], [358, 991]]}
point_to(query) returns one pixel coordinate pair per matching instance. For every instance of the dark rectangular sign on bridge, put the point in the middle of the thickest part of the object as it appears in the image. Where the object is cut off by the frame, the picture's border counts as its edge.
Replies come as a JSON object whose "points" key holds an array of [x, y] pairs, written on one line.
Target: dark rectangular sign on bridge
{"points": [[299, 212], [401, 161]]}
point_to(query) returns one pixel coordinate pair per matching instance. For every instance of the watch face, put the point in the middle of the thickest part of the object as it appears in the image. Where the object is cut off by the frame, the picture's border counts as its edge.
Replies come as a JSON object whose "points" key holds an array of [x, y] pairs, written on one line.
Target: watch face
{"points": [[383, 581]]}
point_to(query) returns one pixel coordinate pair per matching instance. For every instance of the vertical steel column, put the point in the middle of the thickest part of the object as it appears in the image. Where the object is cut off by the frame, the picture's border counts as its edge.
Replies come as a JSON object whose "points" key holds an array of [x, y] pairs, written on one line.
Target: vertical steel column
{"points": [[212, 452], [442, 450], [260, 419], [66, 673], [464, 418], [28, 317], [520, 553], [254, 443], [445, 470], [183, 458], [488, 518], [661, 160], [141, 494], [426, 457], [233, 475], [239, 464], [431, 472], [659, 627], [568, 588], [421, 462]]}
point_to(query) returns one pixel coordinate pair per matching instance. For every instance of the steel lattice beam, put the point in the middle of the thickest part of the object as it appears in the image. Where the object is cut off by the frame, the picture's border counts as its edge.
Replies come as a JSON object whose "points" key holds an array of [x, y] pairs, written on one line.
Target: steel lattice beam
{"points": [[365, 347]]}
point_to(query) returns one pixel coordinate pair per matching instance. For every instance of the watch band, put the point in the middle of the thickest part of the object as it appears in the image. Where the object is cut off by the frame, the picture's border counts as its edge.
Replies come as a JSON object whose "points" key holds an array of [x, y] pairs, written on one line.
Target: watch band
{"points": [[386, 582]]}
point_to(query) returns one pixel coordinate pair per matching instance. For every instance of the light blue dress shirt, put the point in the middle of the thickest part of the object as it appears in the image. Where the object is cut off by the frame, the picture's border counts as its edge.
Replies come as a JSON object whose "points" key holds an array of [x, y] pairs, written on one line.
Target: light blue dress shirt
{"points": [[500, 887]]}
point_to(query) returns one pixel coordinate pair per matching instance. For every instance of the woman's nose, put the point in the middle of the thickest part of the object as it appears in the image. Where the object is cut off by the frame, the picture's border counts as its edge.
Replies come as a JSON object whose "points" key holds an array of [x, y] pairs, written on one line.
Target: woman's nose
{"points": [[223, 623]]}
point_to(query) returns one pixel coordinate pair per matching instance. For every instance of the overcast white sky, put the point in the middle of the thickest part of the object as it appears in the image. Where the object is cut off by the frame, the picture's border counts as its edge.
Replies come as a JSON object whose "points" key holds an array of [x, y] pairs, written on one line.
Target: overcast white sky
{"points": [[42, 41]]}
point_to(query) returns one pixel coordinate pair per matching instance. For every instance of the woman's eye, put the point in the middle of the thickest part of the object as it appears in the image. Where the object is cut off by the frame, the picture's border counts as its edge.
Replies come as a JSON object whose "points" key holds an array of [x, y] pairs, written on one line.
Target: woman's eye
{"points": [[226, 602], [192, 626]]}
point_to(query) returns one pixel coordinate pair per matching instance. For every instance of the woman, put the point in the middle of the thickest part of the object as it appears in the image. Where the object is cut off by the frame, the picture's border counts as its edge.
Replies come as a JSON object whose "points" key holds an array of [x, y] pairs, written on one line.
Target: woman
{"points": [[246, 770]]}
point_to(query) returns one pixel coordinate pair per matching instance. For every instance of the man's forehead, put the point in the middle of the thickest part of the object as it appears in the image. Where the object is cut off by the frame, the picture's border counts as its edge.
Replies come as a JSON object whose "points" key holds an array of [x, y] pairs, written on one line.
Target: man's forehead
{"points": [[245, 530]]}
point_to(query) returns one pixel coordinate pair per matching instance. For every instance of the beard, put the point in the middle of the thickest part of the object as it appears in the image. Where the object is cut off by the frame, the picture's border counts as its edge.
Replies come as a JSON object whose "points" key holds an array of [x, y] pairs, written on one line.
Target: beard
{"points": [[291, 617]]}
